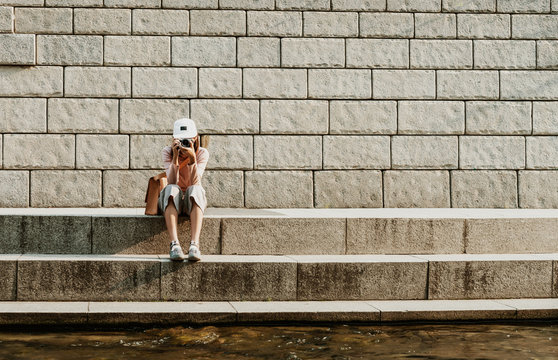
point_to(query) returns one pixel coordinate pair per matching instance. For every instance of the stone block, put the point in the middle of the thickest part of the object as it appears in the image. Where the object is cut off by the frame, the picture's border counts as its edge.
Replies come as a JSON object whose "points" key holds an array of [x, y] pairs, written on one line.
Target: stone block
{"points": [[231, 152], [274, 23], [259, 52], [151, 116], [21, 115], [16, 195], [414, 5], [533, 308], [416, 188], [535, 85], [38, 313], [488, 277], [348, 189], [133, 3], [97, 81], [492, 152], [31, 81], [22, 2], [247, 4], [17, 49], [88, 278], [363, 117], [6, 19], [278, 236], [70, 188], [404, 84], [217, 22], [365, 5], [484, 189], [278, 189], [224, 188], [276, 152], [499, 117], [74, 3], [38, 151], [378, 53], [220, 83], [484, 26], [69, 50], [172, 82], [103, 21], [102, 151], [204, 51], [431, 117], [302, 4], [160, 22], [126, 188], [405, 236], [356, 152], [148, 235], [330, 24], [505, 54], [469, 6], [544, 117], [386, 25], [538, 189], [294, 117], [43, 21], [226, 116], [467, 84], [137, 50], [547, 54], [146, 150], [83, 115], [321, 52], [339, 83], [424, 152], [538, 27], [191, 4], [364, 277], [541, 152], [227, 278], [444, 54], [275, 83], [435, 25], [8, 277]]}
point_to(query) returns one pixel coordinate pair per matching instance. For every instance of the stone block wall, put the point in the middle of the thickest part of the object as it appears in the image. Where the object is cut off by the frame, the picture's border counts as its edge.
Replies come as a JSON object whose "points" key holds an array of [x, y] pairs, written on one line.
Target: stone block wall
{"points": [[308, 103]]}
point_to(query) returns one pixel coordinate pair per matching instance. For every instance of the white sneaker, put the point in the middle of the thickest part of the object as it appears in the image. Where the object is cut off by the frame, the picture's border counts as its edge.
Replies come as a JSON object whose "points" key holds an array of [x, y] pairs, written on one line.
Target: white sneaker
{"points": [[176, 252], [194, 253]]}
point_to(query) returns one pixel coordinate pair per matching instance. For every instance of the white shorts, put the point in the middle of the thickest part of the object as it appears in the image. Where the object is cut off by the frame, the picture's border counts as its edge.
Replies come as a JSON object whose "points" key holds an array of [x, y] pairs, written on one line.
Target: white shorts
{"points": [[182, 200]]}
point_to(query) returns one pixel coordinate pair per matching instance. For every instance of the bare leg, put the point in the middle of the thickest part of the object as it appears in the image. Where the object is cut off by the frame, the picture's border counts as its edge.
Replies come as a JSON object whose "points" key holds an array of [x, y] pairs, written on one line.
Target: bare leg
{"points": [[196, 218], [171, 219]]}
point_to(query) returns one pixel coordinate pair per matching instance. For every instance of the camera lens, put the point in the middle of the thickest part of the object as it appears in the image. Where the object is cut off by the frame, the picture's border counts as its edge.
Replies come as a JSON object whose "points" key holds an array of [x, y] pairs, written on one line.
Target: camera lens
{"points": [[185, 142]]}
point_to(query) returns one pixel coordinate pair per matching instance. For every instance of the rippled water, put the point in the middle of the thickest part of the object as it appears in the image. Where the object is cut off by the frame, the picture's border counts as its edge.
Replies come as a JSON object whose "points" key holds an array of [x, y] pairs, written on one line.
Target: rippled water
{"points": [[410, 341]]}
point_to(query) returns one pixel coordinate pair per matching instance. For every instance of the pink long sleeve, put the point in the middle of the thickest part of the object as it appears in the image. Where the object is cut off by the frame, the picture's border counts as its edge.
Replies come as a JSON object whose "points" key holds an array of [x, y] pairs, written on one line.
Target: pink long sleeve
{"points": [[189, 174]]}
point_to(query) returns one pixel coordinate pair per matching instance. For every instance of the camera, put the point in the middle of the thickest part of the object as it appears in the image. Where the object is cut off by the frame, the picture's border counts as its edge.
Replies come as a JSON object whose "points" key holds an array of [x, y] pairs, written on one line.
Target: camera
{"points": [[186, 142]]}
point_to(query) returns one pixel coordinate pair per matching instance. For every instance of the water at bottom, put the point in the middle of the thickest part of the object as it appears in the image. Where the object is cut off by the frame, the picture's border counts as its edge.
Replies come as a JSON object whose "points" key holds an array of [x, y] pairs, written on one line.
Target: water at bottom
{"points": [[402, 341]]}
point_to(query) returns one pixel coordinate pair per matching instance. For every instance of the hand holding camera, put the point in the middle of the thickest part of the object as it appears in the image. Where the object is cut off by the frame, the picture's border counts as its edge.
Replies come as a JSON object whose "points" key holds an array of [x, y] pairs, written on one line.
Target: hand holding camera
{"points": [[183, 149]]}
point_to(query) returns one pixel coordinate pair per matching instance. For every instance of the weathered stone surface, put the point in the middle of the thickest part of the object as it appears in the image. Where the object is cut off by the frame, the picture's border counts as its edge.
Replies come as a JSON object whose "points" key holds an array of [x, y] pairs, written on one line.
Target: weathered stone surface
{"points": [[363, 277], [31, 81], [277, 152], [547, 54], [146, 150], [79, 188], [99, 151], [363, 117], [220, 83], [17, 194], [302, 4], [203, 51], [294, 117], [171, 82], [88, 277], [521, 6], [43, 21], [416, 188], [541, 152], [41, 313], [279, 236], [348, 189], [330, 24], [97, 81], [356, 152], [536, 85], [160, 22], [151, 116], [538, 189], [258, 52], [275, 83], [469, 6], [8, 273], [424, 152], [22, 2], [505, 54], [133, 3], [69, 50], [544, 117], [22, 115], [414, 5], [6, 19], [274, 23], [492, 152], [126, 188], [191, 4], [278, 189], [103, 21], [83, 115], [17, 49], [247, 4], [404, 84], [377, 53], [435, 25], [484, 26], [367, 5], [38, 151], [137, 50], [224, 188], [217, 22], [226, 116], [339, 83], [467, 84], [321, 52], [535, 27], [533, 308], [498, 117], [231, 152], [484, 189], [389, 25], [444, 54], [404, 236], [229, 278], [431, 117], [74, 3]]}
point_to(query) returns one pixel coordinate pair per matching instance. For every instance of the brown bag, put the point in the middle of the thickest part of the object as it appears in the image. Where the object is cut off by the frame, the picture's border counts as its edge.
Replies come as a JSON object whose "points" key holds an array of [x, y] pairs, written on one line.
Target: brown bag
{"points": [[154, 187]]}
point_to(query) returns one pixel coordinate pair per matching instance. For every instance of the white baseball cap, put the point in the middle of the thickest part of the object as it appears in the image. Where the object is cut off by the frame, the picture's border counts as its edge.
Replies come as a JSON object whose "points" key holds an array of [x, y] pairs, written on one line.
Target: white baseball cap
{"points": [[184, 128]]}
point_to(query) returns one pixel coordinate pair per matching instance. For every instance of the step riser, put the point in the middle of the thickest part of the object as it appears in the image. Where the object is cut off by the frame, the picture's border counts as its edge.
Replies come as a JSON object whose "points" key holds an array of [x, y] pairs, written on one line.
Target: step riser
{"points": [[278, 236]]}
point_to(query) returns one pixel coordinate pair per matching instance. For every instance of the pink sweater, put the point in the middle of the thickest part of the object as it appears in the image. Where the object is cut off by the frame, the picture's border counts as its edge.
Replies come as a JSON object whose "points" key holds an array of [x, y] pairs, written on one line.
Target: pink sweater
{"points": [[188, 174]]}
